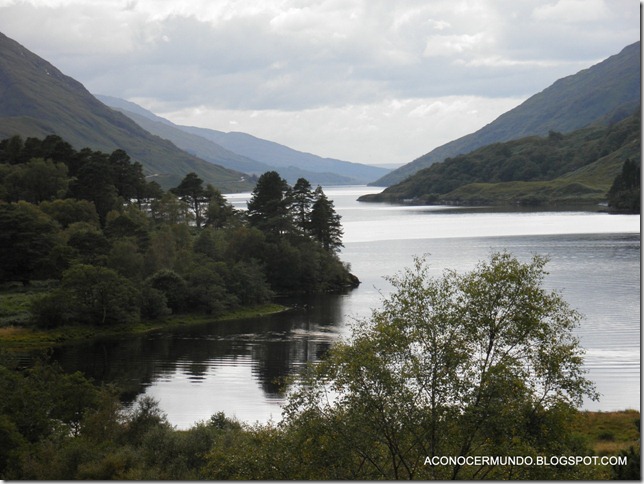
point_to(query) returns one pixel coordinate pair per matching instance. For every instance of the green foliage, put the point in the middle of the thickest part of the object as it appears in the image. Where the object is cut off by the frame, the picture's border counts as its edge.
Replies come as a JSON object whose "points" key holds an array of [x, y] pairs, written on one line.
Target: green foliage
{"points": [[27, 238], [268, 208], [599, 96], [192, 191], [529, 170], [324, 223], [98, 295], [624, 194], [36, 181], [483, 363], [69, 210], [119, 254], [173, 287]]}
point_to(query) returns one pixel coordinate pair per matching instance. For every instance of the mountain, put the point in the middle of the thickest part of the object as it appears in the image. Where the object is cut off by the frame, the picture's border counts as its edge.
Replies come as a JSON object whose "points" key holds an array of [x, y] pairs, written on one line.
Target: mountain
{"points": [[578, 167], [602, 94], [248, 153], [37, 99], [190, 143], [281, 156]]}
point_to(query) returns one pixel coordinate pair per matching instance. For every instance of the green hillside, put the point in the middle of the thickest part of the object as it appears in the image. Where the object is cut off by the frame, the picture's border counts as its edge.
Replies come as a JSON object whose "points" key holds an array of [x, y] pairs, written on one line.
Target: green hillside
{"points": [[578, 167], [602, 94], [37, 100]]}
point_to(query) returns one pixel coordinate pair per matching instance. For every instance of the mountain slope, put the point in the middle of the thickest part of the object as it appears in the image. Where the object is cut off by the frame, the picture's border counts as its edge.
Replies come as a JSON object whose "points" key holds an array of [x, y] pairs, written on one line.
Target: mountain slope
{"points": [[210, 150], [603, 93], [577, 167], [36, 100], [291, 163]]}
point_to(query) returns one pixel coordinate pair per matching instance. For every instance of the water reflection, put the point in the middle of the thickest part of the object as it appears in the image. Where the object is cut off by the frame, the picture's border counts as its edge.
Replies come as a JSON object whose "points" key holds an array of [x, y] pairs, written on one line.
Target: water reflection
{"points": [[271, 348], [238, 367]]}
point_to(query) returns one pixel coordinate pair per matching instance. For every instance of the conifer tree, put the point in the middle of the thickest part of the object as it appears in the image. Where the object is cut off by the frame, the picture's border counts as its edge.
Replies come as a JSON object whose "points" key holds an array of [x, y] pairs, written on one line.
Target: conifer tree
{"points": [[324, 222]]}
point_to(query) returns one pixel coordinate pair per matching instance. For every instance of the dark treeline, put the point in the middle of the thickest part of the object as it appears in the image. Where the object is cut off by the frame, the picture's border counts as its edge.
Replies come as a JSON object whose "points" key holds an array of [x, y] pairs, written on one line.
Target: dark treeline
{"points": [[116, 248]]}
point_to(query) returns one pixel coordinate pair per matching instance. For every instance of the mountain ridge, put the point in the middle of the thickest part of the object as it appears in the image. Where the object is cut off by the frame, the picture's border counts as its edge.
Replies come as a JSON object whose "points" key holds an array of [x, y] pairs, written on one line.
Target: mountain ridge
{"points": [[37, 99], [578, 167], [267, 155], [570, 103]]}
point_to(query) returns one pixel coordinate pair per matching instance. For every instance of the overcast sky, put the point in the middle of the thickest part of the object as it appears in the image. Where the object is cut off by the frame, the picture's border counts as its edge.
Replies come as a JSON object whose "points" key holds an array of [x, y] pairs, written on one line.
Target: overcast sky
{"points": [[371, 81]]}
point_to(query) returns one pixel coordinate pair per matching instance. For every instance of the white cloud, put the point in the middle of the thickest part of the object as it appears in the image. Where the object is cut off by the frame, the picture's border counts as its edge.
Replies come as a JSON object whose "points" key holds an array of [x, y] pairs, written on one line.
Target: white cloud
{"points": [[389, 131], [377, 76], [572, 11]]}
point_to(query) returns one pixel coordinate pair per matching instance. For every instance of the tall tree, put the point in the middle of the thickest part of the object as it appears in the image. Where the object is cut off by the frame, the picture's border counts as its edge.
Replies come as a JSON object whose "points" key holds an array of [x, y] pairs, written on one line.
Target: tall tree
{"points": [[127, 177], [324, 224], [268, 208], [192, 191], [93, 182], [219, 212], [303, 198]]}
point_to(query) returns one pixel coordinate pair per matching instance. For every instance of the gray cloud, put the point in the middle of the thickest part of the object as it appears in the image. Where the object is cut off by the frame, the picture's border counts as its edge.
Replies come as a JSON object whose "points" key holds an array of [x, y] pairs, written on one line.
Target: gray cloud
{"points": [[332, 56]]}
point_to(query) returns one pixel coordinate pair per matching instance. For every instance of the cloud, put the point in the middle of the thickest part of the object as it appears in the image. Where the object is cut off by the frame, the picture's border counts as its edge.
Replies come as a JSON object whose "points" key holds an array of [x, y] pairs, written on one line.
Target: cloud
{"points": [[317, 58], [572, 11], [388, 131]]}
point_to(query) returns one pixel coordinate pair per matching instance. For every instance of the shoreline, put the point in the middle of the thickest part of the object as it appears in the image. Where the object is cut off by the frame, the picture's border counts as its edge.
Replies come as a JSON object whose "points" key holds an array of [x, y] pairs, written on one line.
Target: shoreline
{"points": [[19, 338]]}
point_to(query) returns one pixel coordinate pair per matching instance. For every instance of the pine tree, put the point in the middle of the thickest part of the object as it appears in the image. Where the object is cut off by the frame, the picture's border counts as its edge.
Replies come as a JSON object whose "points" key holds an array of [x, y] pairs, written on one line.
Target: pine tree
{"points": [[324, 222], [268, 208], [303, 198]]}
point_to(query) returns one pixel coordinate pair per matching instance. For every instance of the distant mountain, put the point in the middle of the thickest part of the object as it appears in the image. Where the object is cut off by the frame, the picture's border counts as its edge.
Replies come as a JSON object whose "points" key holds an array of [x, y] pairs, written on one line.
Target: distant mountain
{"points": [[281, 156], [248, 153], [601, 94], [36, 100], [578, 167], [193, 144]]}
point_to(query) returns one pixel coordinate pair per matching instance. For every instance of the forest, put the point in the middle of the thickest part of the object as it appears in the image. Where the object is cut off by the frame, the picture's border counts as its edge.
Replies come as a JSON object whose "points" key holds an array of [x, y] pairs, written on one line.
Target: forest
{"points": [[112, 247], [586, 166]]}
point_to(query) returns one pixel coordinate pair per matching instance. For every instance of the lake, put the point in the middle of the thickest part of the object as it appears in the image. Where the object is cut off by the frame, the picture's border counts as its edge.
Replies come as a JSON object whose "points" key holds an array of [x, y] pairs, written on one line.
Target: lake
{"points": [[239, 367]]}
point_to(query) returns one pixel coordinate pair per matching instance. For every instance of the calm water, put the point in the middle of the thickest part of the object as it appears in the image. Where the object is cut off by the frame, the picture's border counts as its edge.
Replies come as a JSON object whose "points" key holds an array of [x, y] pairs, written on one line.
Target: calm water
{"points": [[238, 367]]}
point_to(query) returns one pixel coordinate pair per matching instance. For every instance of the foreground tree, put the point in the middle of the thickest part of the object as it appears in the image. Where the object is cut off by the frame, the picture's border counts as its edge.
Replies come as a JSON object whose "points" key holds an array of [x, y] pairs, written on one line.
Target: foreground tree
{"points": [[483, 363]]}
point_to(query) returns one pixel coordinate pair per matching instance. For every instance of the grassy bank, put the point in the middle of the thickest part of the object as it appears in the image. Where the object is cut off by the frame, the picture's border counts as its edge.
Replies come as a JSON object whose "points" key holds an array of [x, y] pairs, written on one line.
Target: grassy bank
{"points": [[608, 433], [18, 336]]}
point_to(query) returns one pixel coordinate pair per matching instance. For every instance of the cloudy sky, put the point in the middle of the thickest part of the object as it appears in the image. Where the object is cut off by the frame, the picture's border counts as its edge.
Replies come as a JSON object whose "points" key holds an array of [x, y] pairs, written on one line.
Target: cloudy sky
{"points": [[371, 81]]}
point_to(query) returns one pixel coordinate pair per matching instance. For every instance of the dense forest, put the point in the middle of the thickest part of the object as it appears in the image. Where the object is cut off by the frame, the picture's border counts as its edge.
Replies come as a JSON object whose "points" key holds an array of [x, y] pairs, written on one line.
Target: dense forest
{"points": [[117, 248], [559, 168]]}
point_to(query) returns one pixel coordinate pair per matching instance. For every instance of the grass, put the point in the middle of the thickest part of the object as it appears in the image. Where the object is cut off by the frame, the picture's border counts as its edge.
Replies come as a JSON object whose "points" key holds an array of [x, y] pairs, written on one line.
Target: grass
{"points": [[526, 193], [15, 302], [18, 331], [608, 433], [21, 337]]}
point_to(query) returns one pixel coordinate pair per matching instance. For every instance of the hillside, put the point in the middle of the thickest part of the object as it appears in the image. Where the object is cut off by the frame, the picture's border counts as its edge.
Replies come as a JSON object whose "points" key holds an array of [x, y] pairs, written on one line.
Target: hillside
{"points": [[577, 167], [37, 99], [257, 154], [282, 157], [601, 94], [193, 141]]}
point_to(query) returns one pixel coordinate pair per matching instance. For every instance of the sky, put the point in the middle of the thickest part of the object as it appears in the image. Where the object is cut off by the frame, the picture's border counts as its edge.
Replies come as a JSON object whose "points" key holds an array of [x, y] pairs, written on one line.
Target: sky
{"points": [[368, 81]]}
